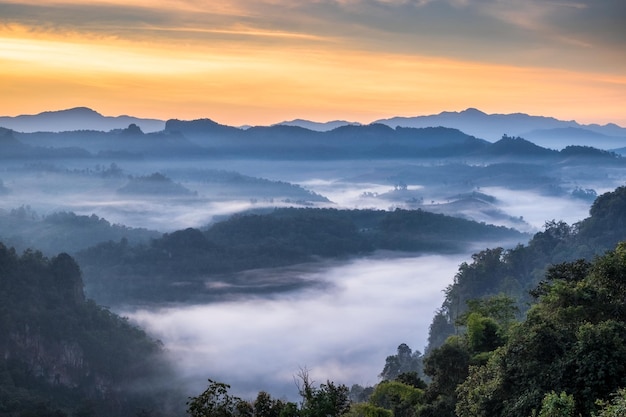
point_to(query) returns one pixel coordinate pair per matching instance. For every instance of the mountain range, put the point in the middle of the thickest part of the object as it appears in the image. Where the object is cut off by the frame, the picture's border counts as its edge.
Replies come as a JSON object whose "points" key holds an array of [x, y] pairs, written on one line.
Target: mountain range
{"points": [[78, 118], [544, 131]]}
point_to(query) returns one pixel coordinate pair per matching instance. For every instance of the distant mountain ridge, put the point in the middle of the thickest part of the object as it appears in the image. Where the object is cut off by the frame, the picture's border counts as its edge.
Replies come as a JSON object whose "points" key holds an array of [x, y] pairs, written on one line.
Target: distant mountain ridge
{"points": [[210, 139], [547, 132], [542, 130], [78, 118], [318, 126]]}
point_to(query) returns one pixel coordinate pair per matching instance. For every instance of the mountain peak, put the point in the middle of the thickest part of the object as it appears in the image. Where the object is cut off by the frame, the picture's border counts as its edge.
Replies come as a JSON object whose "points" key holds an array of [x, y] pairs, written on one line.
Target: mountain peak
{"points": [[471, 111], [76, 118], [74, 111]]}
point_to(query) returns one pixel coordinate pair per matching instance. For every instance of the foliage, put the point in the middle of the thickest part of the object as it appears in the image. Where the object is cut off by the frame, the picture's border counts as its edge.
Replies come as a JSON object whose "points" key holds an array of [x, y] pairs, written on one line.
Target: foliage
{"points": [[327, 400], [557, 405], [368, 410], [616, 407], [215, 402], [519, 272], [23, 228], [121, 272], [57, 345], [401, 399], [403, 362], [572, 341]]}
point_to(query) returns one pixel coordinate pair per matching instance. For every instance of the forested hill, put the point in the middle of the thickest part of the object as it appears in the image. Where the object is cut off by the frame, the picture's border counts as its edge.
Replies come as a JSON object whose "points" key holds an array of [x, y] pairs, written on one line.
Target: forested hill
{"points": [[64, 355], [179, 265], [516, 271], [564, 359]]}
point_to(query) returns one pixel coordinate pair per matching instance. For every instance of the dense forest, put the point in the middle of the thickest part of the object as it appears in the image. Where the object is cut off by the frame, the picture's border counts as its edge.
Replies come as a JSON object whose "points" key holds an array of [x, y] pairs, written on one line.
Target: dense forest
{"points": [[517, 271], [177, 266], [64, 355]]}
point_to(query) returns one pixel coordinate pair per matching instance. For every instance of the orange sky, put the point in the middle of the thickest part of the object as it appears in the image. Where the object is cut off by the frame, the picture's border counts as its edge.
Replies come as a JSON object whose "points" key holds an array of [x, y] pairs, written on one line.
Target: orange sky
{"points": [[268, 61]]}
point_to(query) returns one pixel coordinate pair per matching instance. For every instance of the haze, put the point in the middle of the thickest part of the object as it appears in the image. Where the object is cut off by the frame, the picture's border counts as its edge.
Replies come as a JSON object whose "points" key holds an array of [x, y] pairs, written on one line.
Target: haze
{"points": [[341, 331]]}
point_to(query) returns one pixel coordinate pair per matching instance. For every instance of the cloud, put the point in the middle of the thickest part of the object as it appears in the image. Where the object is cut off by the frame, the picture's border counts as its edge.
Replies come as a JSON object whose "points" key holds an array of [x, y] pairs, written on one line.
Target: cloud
{"points": [[461, 29], [342, 331]]}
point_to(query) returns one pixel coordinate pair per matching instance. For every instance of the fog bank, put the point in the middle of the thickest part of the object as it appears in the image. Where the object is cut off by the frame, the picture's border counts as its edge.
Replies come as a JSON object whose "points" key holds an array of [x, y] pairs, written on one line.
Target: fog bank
{"points": [[342, 331]]}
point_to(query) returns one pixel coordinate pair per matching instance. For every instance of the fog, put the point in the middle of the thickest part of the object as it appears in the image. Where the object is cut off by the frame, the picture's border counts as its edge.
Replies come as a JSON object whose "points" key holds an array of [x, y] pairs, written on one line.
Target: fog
{"points": [[536, 209], [342, 331], [77, 186]]}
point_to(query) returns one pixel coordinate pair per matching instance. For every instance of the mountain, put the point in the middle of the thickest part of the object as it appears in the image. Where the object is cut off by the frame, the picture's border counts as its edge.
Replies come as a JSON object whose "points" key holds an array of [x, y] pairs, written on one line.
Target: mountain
{"points": [[156, 184], [347, 141], [79, 118], [517, 148], [12, 148], [559, 138], [317, 126], [191, 265], [64, 355], [493, 126], [127, 142]]}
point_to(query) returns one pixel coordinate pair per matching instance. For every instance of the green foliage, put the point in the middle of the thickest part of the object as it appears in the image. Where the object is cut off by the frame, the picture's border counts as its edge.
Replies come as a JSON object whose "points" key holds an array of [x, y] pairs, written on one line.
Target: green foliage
{"points": [[482, 333], [215, 402], [413, 379], [572, 341], [557, 405], [327, 400], [501, 308], [403, 362], [616, 407], [607, 221], [480, 394], [402, 399], [519, 272], [368, 410], [64, 351], [447, 366]]}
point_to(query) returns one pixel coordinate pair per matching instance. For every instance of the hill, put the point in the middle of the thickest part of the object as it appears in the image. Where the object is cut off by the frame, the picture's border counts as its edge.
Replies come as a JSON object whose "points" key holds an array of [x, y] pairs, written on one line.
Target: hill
{"points": [[493, 126], [63, 354], [518, 270], [559, 138], [204, 265], [79, 118], [23, 228]]}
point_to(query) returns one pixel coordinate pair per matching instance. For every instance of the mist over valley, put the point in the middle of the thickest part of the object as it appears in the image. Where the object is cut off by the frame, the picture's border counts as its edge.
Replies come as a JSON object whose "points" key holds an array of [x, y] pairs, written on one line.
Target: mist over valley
{"points": [[254, 253]]}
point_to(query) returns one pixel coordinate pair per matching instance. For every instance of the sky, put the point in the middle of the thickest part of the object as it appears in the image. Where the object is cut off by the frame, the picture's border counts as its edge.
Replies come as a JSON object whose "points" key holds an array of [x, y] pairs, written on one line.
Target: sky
{"points": [[265, 61]]}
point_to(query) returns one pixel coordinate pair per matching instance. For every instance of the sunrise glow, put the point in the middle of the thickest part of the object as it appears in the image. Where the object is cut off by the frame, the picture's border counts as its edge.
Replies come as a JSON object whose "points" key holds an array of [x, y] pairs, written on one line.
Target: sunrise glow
{"points": [[244, 64]]}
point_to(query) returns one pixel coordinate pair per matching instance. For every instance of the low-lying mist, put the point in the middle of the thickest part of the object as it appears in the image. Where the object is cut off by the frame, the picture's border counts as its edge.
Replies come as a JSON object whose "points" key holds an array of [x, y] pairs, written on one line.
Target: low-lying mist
{"points": [[224, 187], [341, 331]]}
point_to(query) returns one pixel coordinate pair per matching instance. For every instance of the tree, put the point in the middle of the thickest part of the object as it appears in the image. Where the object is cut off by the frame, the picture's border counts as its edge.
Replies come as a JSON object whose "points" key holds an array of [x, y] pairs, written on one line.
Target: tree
{"points": [[572, 342], [616, 407], [402, 399], [404, 361], [329, 400], [557, 405], [215, 402], [448, 367]]}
